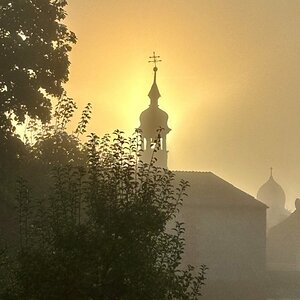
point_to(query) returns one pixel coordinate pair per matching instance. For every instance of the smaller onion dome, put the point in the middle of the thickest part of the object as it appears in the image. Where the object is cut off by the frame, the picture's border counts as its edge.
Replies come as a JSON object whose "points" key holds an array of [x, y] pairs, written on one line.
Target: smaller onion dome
{"points": [[272, 194]]}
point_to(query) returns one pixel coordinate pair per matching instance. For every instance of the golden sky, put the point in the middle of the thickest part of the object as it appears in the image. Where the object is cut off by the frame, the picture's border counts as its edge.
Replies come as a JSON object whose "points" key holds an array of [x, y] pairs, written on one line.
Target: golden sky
{"points": [[229, 80]]}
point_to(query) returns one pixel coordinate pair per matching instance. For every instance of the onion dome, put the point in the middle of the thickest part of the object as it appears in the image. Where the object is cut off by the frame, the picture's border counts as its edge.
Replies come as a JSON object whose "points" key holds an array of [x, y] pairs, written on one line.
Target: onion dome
{"points": [[271, 193], [153, 118]]}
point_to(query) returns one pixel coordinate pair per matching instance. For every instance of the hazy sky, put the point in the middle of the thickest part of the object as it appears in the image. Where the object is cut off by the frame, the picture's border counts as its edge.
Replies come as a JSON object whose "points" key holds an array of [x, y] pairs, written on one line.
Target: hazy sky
{"points": [[229, 80]]}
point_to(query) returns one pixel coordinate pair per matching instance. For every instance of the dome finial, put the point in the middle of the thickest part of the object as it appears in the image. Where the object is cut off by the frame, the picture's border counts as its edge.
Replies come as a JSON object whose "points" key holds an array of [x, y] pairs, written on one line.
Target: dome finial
{"points": [[271, 172]]}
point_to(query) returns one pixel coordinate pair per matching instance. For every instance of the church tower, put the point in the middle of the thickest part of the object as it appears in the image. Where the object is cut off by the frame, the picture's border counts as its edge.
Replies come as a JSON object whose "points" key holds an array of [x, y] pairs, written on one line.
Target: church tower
{"points": [[154, 125]]}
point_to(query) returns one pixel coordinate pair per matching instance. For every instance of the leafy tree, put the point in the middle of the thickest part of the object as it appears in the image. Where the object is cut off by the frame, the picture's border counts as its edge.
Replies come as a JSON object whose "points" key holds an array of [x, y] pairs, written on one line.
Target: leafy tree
{"points": [[34, 47], [33, 59], [50, 145], [102, 231], [45, 146]]}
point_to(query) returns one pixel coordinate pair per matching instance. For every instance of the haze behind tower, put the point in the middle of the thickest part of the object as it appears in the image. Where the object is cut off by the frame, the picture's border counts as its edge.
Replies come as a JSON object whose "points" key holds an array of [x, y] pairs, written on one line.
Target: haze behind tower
{"points": [[229, 80]]}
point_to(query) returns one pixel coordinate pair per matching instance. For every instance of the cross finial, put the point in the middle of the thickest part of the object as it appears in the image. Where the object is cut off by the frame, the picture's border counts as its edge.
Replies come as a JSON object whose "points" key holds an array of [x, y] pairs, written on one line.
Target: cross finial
{"points": [[154, 59]]}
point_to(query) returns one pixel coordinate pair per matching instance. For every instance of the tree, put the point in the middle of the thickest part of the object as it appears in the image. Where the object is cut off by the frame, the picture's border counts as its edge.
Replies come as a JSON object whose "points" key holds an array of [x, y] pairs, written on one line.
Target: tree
{"points": [[102, 231], [34, 47], [45, 146], [33, 59]]}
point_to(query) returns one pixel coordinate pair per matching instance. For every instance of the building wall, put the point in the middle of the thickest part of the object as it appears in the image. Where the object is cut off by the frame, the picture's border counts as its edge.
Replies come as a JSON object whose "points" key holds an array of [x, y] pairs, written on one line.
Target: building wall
{"points": [[232, 243], [283, 245]]}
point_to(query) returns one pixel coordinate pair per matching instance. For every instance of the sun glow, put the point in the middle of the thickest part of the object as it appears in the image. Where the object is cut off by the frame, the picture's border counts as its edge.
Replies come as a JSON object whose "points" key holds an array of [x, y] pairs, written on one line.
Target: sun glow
{"points": [[229, 76]]}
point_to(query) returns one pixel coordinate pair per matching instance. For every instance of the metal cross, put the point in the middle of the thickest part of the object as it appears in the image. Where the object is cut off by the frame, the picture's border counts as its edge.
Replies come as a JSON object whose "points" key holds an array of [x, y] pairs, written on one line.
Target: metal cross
{"points": [[154, 59]]}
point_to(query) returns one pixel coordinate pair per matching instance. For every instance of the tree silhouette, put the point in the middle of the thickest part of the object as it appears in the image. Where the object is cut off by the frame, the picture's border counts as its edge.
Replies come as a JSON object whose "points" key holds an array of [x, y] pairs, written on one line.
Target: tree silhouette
{"points": [[101, 232], [34, 47], [33, 59]]}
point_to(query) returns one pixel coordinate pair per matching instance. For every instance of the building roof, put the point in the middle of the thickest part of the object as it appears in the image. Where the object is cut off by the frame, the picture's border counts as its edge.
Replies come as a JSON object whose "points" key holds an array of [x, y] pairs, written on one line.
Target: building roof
{"points": [[283, 243], [290, 227], [207, 189]]}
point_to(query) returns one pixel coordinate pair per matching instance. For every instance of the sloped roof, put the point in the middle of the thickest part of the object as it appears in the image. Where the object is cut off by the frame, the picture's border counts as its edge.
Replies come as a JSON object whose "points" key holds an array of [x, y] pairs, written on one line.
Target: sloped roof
{"points": [[207, 189], [289, 227]]}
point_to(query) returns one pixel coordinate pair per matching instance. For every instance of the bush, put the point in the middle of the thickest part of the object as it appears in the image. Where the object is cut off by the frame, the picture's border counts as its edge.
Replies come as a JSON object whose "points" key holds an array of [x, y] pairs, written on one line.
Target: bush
{"points": [[101, 233]]}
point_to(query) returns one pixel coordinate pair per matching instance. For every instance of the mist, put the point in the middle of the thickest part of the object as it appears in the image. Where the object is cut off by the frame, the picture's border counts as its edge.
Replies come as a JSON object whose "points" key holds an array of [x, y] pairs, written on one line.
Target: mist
{"points": [[159, 158], [229, 81]]}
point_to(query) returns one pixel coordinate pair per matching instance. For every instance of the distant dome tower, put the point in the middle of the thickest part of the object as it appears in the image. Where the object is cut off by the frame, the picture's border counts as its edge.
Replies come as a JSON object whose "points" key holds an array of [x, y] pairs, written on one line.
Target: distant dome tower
{"points": [[154, 125], [273, 195]]}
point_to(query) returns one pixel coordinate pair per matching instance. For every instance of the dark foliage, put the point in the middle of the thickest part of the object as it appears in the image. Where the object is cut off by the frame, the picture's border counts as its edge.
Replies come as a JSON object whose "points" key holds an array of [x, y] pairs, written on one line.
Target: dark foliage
{"points": [[101, 233], [97, 223], [34, 47], [33, 59]]}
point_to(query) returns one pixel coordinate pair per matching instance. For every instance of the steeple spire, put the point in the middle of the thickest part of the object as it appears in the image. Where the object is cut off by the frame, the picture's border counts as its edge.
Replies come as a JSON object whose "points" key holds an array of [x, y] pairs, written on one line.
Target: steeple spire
{"points": [[154, 94], [154, 125]]}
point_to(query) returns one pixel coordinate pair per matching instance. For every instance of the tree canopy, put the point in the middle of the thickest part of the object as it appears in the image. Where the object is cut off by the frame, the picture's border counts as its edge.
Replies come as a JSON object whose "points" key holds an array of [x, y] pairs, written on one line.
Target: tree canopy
{"points": [[33, 59], [34, 64]]}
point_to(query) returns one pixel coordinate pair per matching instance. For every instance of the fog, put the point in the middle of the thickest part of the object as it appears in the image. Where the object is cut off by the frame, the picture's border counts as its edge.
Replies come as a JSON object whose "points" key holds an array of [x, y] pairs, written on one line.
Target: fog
{"points": [[229, 80]]}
